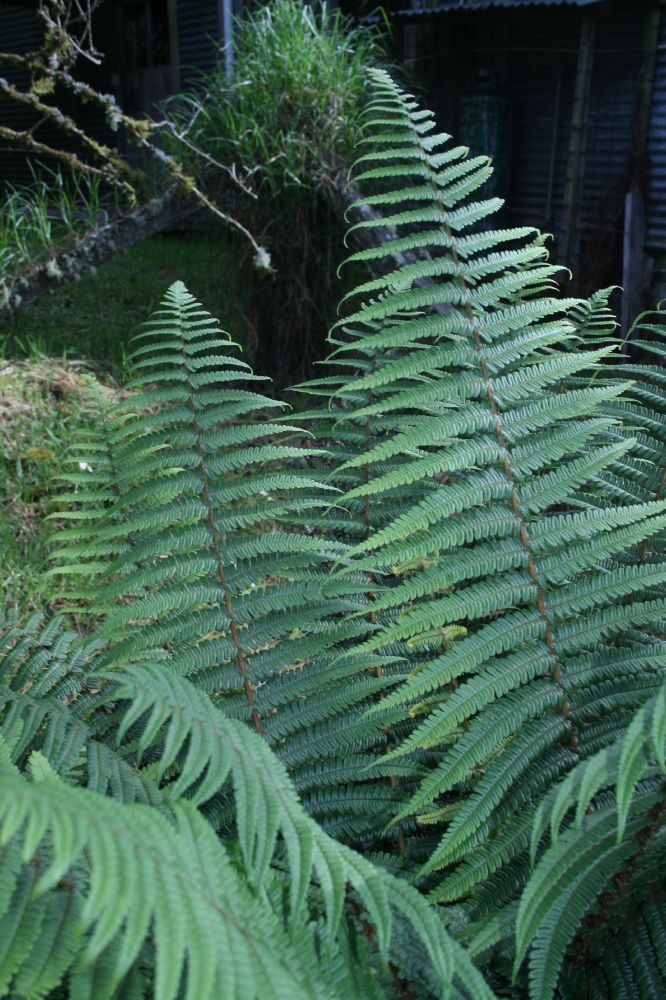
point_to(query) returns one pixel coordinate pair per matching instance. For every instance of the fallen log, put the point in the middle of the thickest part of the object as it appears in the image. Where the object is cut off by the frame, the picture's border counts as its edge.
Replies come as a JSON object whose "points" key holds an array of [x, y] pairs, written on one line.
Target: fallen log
{"points": [[96, 246]]}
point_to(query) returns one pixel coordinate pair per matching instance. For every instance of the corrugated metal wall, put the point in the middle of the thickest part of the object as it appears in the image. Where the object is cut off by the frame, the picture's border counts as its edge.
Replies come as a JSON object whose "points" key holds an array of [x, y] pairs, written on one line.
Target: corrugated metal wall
{"points": [[608, 159], [20, 33], [199, 29], [656, 166], [539, 60], [532, 55], [199, 33]]}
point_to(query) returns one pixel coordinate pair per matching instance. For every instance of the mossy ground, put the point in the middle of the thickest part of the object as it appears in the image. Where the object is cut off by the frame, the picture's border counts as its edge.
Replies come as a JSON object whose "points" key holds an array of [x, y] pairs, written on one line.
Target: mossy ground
{"points": [[39, 411], [87, 324]]}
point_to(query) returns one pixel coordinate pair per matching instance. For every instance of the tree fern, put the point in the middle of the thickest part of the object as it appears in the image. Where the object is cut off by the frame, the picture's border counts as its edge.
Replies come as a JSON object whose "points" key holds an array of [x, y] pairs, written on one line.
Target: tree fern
{"points": [[513, 429], [434, 632]]}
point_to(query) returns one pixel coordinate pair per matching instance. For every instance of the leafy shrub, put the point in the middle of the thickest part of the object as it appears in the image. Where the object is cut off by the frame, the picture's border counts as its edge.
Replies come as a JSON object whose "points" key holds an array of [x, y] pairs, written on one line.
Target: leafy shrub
{"points": [[440, 621]]}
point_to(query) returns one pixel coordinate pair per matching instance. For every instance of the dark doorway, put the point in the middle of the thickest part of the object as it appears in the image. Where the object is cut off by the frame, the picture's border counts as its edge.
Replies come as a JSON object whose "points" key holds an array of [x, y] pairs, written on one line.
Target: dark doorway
{"points": [[146, 64]]}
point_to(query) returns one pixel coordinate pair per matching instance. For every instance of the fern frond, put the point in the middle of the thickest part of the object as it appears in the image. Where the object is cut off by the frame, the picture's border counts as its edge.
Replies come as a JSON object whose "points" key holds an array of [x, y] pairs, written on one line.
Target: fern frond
{"points": [[147, 876], [488, 403], [169, 886]]}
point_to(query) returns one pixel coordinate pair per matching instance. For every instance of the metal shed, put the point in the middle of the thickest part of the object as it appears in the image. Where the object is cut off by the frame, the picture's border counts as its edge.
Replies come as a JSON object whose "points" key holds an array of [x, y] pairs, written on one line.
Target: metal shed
{"points": [[569, 96], [152, 48]]}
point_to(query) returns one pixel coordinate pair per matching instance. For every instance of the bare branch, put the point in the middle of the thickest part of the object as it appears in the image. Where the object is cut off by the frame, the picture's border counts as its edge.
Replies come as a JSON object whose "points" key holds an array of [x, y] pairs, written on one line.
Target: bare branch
{"points": [[68, 35], [25, 140], [116, 171]]}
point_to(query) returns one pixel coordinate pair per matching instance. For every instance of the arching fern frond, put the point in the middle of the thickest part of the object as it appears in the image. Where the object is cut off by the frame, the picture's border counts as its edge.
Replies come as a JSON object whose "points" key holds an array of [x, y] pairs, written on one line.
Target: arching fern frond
{"points": [[164, 891], [148, 876], [207, 748], [510, 430], [46, 705], [637, 752]]}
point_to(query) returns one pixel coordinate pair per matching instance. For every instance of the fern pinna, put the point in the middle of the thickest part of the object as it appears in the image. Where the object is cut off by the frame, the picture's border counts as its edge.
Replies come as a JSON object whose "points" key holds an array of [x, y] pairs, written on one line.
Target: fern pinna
{"points": [[559, 645]]}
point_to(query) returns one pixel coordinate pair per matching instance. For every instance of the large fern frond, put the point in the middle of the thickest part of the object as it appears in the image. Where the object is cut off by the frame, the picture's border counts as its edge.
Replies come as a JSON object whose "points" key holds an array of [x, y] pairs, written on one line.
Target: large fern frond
{"points": [[156, 886], [211, 550], [510, 430]]}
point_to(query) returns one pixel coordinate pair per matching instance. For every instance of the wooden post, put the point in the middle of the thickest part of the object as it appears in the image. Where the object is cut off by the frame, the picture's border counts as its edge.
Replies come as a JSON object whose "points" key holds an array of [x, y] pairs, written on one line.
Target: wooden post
{"points": [[567, 244], [226, 19], [632, 256]]}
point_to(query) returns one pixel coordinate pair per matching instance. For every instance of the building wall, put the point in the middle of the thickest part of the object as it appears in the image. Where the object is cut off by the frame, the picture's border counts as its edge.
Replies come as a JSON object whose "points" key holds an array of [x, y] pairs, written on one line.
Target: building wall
{"points": [[195, 34], [531, 55]]}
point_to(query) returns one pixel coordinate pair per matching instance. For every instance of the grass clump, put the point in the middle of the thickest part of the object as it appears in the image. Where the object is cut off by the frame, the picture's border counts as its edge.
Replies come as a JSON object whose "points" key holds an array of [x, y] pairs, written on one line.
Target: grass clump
{"points": [[292, 112], [287, 121]]}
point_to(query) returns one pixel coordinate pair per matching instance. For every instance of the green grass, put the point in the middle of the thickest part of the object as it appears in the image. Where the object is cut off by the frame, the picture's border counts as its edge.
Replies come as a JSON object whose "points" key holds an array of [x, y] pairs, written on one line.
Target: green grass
{"points": [[41, 218], [88, 322], [94, 318]]}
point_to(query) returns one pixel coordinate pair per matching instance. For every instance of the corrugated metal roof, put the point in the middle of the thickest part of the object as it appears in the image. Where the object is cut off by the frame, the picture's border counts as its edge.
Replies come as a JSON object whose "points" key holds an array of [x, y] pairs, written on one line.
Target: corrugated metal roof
{"points": [[454, 6]]}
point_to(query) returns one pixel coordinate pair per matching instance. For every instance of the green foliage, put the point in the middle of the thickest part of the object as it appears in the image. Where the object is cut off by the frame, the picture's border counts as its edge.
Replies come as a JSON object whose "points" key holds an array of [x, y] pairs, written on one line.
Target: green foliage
{"points": [[606, 842], [528, 435], [368, 703], [133, 880], [190, 519]]}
